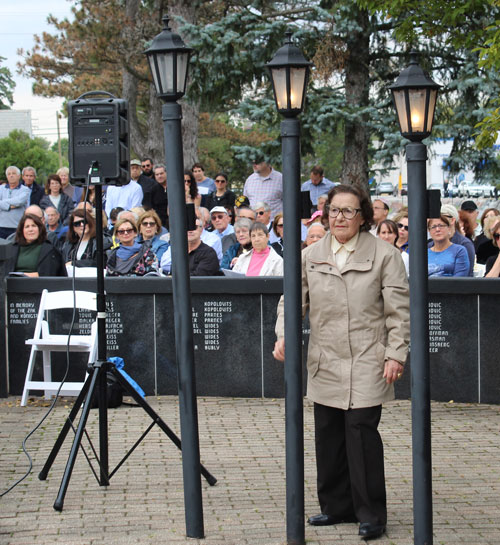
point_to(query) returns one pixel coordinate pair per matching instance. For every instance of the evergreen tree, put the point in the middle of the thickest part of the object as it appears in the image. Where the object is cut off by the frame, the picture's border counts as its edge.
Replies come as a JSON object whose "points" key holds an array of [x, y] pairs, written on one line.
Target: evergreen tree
{"points": [[7, 86]]}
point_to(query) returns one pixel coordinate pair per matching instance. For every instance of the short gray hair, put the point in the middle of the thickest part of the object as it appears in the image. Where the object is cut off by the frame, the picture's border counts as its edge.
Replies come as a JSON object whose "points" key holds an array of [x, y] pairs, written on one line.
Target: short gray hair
{"points": [[243, 223], [160, 165], [13, 167], [261, 204], [25, 169]]}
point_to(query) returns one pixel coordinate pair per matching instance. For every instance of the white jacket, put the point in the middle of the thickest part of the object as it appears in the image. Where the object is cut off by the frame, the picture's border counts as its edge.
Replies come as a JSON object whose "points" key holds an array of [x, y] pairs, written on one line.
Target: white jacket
{"points": [[273, 265]]}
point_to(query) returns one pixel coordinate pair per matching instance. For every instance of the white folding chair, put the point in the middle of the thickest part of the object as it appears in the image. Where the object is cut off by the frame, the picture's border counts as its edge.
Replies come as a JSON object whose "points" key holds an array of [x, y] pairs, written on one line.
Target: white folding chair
{"points": [[45, 342]]}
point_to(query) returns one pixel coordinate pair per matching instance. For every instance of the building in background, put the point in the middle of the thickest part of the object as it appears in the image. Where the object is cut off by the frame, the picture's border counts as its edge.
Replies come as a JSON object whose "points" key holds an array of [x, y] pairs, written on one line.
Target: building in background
{"points": [[15, 119]]}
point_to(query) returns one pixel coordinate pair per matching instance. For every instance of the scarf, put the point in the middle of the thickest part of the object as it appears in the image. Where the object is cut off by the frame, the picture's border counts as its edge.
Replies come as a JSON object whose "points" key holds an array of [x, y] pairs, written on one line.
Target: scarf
{"points": [[126, 252]]}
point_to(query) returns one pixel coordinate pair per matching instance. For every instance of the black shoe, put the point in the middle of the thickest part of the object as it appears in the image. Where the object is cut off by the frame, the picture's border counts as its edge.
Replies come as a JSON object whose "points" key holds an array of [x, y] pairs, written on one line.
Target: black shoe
{"points": [[371, 531], [327, 520]]}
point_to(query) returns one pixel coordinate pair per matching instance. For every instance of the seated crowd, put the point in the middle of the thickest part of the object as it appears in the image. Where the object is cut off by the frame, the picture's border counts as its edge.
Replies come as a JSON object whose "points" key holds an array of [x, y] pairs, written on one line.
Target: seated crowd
{"points": [[54, 231]]}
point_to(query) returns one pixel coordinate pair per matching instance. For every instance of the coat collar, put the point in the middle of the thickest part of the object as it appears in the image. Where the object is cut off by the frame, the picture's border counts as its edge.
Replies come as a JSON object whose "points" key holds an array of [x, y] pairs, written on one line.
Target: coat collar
{"points": [[360, 260]]}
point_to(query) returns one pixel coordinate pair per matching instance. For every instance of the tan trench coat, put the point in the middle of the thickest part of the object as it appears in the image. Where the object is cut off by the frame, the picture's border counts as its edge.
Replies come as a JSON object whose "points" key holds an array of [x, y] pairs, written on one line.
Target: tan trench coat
{"points": [[359, 318]]}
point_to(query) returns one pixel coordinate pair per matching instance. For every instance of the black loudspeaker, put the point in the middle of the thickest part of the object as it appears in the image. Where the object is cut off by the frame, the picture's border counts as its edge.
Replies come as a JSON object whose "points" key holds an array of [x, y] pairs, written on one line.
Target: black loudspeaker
{"points": [[98, 132], [433, 203]]}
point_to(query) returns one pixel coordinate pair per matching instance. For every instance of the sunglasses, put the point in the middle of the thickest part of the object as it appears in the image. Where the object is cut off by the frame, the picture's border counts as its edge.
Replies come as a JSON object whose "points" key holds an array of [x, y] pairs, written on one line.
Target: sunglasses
{"points": [[261, 213], [401, 226], [148, 223], [279, 225], [124, 231], [218, 216], [496, 236], [220, 181], [78, 223]]}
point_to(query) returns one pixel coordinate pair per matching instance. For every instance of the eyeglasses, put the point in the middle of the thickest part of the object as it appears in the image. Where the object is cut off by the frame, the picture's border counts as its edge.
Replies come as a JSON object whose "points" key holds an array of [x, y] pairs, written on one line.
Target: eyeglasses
{"points": [[437, 226], [148, 223], [401, 226], [220, 181], [78, 223], [348, 212], [124, 231], [218, 216]]}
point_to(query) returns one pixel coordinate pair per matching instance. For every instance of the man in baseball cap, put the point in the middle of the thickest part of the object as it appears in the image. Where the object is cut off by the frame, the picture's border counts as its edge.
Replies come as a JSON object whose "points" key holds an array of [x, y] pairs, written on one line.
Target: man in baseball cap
{"points": [[221, 221], [470, 208]]}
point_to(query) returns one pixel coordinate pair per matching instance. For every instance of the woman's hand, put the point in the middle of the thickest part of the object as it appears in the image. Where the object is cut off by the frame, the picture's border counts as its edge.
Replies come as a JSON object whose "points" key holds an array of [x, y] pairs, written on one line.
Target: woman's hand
{"points": [[233, 262], [279, 349], [33, 274], [393, 371]]}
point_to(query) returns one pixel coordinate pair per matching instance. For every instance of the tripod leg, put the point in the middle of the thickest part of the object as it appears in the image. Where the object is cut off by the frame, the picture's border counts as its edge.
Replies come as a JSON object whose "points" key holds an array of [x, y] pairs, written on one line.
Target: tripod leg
{"points": [[65, 429], [58, 504], [154, 415]]}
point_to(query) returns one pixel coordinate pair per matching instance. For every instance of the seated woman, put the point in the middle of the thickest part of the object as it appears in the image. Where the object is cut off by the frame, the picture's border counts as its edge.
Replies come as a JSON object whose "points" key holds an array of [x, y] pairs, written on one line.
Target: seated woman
{"points": [[243, 244], [277, 229], [56, 197], [445, 258], [483, 244], [150, 229], [401, 220], [262, 260], [34, 255], [130, 258], [388, 230], [492, 229], [80, 248]]}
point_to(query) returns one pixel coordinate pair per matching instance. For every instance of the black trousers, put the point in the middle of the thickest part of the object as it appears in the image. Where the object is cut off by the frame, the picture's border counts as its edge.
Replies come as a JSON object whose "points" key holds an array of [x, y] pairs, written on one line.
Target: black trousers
{"points": [[350, 463]]}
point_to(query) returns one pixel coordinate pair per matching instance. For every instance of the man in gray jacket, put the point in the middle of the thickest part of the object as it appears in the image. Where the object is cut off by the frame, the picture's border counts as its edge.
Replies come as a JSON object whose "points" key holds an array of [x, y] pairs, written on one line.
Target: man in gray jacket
{"points": [[14, 198]]}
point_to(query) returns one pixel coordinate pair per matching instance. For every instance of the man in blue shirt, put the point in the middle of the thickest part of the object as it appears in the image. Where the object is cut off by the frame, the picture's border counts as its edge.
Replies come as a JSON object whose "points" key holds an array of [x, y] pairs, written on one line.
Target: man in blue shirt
{"points": [[317, 185]]}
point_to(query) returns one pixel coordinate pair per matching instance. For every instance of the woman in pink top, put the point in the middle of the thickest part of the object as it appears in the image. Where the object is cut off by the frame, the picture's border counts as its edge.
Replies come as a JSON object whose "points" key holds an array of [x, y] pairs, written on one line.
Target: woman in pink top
{"points": [[261, 260]]}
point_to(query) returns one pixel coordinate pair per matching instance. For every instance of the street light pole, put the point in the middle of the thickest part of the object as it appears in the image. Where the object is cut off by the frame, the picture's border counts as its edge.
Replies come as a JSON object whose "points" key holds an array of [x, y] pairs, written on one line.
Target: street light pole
{"points": [[168, 58], [290, 74], [416, 156], [415, 96]]}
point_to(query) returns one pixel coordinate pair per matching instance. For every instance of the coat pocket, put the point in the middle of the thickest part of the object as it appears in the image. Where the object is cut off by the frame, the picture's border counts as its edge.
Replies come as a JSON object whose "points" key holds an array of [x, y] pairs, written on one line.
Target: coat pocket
{"points": [[313, 360]]}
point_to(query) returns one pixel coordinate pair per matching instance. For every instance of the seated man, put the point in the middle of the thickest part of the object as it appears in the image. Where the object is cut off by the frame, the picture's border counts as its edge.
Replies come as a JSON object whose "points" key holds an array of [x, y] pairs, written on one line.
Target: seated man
{"points": [[202, 259], [221, 222], [54, 225]]}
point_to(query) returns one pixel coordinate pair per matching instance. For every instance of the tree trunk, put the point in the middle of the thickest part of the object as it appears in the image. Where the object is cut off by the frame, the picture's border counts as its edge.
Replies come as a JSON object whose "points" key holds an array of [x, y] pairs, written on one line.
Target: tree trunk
{"points": [[356, 135]]}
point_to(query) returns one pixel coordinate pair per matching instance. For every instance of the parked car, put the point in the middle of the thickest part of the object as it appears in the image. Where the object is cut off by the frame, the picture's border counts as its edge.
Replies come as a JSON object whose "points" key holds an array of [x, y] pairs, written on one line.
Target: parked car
{"points": [[488, 191], [387, 188], [474, 190], [462, 189], [404, 188]]}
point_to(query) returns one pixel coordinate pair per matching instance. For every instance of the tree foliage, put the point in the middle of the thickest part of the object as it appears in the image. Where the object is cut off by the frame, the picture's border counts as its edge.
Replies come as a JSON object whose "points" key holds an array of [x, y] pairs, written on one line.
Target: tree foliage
{"points": [[20, 150], [7, 86], [358, 48], [470, 30]]}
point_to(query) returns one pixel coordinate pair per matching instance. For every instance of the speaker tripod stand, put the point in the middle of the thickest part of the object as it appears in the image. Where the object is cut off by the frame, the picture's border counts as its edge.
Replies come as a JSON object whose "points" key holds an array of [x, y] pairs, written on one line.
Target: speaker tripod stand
{"points": [[96, 383]]}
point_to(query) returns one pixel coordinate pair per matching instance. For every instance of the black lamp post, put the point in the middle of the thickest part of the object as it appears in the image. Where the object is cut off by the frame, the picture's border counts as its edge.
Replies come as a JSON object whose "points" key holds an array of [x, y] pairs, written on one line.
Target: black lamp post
{"points": [[290, 73], [168, 58], [415, 95]]}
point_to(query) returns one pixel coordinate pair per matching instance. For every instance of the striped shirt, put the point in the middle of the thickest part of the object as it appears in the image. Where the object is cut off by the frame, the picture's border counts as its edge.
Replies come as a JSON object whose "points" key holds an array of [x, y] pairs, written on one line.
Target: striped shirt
{"points": [[268, 189]]}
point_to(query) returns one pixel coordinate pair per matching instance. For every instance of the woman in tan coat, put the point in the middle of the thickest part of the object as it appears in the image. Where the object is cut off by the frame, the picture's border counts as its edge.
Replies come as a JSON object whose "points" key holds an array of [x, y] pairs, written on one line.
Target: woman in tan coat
{"points": [[356, 290]]}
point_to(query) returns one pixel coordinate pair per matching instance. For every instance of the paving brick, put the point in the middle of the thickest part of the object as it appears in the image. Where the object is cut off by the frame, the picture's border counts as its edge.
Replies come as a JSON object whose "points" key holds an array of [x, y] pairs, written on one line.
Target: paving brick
{"points": [[242, 443]]}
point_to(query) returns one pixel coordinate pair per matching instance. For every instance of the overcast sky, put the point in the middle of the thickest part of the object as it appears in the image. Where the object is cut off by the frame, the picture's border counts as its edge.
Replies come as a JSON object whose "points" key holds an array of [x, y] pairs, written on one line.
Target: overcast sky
{"points": [[22, 19]]}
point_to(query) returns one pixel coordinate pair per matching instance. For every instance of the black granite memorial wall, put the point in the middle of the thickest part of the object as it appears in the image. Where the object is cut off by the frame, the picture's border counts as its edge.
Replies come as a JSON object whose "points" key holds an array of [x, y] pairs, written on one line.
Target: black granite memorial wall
{"points": [[233, 324]]}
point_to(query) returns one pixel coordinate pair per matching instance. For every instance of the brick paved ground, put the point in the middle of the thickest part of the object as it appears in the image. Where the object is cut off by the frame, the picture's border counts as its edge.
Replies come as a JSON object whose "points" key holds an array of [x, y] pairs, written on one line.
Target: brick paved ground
{"points": [[242, 444]]}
